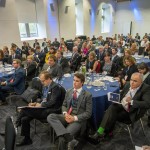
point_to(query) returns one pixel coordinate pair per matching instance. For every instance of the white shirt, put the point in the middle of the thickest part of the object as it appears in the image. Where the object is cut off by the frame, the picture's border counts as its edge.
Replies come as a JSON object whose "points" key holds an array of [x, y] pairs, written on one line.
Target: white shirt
{"points": [[130, 94]]}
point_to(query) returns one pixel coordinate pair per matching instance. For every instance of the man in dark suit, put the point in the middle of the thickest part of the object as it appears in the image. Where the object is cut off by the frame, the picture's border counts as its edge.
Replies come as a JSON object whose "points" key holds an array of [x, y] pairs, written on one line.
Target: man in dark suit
{"points": [[13, 56], [116, 59], [135, 102], [76, 109], [54, 69], [75, 59], [50, 103], [63, 62], [14, 84], [100, 53]]}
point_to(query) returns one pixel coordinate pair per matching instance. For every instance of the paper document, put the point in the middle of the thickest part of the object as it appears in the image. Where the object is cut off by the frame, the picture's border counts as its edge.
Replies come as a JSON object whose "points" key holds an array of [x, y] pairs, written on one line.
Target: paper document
{"points": [[114, 97], [138, 148]]}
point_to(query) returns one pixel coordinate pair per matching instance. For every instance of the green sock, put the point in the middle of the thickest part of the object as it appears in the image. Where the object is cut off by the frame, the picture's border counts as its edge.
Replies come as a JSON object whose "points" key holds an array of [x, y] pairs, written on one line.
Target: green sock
{"points": [[100, 130]]}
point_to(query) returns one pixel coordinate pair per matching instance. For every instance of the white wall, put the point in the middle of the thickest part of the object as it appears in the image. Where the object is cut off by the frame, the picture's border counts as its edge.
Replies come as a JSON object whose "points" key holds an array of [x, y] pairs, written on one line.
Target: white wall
{"points": [[136, 11], [9, 30]]}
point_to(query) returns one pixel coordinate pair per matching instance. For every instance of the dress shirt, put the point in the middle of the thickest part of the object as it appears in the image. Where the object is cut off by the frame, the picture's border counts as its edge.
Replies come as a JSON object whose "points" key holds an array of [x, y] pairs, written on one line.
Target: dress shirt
{"points": [[130, 94]]}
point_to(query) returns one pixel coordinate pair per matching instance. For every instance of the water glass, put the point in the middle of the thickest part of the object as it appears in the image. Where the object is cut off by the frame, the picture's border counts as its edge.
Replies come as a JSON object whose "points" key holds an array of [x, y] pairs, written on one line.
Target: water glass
{"points": [[105, 86]]}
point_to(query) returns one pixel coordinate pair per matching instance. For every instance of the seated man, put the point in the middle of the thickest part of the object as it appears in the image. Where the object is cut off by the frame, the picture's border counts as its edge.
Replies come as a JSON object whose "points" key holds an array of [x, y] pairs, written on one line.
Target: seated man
{"points": [[54, 69], [134, 100], [63, 62], [76, 109], [50, 103], [15, 84]]}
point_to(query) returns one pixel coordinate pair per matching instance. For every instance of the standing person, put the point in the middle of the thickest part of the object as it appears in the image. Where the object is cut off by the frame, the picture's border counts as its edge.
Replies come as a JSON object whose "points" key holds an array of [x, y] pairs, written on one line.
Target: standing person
{"points": [[135, 102], [76, 110], [50, 102]]}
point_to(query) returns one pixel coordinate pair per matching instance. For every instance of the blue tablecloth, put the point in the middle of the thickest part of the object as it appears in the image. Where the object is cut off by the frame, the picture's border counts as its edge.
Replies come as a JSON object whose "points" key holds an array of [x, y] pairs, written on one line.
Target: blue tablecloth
{"points": [[145, 60], [100, 101]]}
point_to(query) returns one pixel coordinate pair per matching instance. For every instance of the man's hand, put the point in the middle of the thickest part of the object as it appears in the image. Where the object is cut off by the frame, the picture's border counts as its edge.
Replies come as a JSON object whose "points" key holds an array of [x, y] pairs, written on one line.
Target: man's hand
{"points": [[69, 118], [3, 83], [32, 104], [146, 147], [38, 105], [128, 99]]}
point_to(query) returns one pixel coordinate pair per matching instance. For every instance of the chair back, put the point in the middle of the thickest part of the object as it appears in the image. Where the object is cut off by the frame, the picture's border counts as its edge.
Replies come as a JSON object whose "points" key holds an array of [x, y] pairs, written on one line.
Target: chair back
{"points": [[141, 50], [10, 134], [36, 84], [63, 92]]}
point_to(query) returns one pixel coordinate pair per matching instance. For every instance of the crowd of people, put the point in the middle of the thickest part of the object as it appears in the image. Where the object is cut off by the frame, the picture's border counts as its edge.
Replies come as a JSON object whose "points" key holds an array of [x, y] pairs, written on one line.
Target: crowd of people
{"points": [[113, 56]]}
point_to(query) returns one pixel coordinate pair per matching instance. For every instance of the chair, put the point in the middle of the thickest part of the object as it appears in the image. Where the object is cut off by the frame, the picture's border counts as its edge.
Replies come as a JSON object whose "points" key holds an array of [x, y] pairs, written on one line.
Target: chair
{"points": [[10, 134], [141, 50], [128, 125]]}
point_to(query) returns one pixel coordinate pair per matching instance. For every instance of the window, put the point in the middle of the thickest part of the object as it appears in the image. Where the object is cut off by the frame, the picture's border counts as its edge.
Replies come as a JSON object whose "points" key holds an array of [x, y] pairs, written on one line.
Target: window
{"points": [[28, 30]]}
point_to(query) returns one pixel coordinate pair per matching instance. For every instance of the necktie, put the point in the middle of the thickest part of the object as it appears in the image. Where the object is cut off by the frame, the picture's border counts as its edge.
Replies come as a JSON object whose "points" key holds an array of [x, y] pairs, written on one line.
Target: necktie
{"points": [[74, 98]]}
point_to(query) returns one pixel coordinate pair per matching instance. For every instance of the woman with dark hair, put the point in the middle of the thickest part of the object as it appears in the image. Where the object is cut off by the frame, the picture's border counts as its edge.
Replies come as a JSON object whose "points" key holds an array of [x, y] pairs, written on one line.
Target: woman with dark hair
{"points": [[2, 59], [128, 70], [107, 66], [143, 69]]}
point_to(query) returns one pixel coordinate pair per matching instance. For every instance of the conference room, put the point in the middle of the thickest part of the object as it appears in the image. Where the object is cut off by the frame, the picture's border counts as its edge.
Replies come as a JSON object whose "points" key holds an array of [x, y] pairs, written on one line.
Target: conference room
{"points": [[52, 42]]}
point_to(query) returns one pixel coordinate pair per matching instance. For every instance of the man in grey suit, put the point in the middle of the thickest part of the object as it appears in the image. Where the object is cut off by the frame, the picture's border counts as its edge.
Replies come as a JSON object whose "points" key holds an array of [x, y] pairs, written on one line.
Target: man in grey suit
{"points": [[76, 109], [135, 102], [54, 69]]}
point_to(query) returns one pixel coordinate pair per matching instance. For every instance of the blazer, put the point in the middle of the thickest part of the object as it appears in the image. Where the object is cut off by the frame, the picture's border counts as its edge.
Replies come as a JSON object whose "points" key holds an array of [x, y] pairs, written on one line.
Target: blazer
{"points": [[31, 69], [84, 106], [147, 80], [19, 81], [53, 100], [129, 71], [140, 101], [64, 65], [10, 59], [55, 71], [100, 56]]}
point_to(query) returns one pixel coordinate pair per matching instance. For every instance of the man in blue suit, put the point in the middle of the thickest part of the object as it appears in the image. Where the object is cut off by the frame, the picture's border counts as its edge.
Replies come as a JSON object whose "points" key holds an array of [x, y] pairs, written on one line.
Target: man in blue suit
{"points": [[14, 84]]}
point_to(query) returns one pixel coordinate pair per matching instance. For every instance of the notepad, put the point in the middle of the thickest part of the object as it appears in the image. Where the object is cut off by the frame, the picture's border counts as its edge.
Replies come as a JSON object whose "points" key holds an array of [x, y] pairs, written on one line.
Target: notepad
{"points": [[114, 97]]}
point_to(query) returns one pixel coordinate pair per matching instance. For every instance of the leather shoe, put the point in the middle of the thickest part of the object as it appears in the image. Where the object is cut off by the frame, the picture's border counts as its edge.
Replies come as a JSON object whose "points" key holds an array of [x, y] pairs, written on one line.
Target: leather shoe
{"points": [[3, 103], [95, 138], [68, 137], [24, 142]]}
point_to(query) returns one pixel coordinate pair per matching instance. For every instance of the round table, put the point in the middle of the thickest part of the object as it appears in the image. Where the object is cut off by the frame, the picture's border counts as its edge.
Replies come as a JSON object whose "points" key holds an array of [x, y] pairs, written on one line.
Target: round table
{"points": [[6, 71], [99, 97], [143, 59]]}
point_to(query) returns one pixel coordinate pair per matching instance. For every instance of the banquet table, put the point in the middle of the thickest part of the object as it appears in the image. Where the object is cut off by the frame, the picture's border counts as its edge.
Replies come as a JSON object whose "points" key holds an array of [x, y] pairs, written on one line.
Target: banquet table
{"points": [[143, 59], [6, 71], [99, 97]]}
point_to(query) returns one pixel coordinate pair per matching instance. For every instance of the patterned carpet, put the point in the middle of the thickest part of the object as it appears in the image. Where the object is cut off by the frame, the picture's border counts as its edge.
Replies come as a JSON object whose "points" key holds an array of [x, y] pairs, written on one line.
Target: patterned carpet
{"points": [[41, 140]]}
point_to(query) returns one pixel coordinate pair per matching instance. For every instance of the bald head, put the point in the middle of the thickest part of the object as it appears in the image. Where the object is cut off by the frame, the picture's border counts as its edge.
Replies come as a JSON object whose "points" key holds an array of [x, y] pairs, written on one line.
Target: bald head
{"points": [[136, 80]]}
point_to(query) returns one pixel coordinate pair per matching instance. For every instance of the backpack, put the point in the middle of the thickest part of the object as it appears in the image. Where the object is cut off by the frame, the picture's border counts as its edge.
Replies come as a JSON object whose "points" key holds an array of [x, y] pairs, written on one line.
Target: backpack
{"points": [[30, 94]]}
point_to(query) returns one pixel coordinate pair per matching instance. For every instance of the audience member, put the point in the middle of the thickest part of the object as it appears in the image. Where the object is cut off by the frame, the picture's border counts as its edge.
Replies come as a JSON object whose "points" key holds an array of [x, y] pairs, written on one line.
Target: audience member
{"points": [[49, 104], [36, 43], [76, 109], [63, 62], [14, 84], [54, 69], [135, 102], [91, 63]]}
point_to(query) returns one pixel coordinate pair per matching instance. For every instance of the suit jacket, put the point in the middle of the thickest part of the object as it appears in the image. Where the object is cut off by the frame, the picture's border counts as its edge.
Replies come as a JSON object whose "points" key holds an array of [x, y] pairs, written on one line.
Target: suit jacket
{"points": [[64, 65], [84, 106], [31, 69], [10, 58], [19, 81], [75, 61], [100, 56], [140, 101], [129, 71], [116, 61], [55, 71], [53, 100], [147, 80]]}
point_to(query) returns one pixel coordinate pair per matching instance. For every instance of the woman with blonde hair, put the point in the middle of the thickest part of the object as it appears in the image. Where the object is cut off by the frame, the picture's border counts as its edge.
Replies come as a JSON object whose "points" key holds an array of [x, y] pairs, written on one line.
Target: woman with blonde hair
{"points": [[91, 63]]}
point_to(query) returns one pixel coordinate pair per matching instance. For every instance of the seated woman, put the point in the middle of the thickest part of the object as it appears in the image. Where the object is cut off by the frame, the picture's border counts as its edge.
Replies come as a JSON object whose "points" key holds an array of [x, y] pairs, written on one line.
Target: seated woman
{"points": [[91, 63], [143, 69], [128, 70], [2, 58], [133, 48], [31, 68], [107, 66], [51, 52], [127, 53]]}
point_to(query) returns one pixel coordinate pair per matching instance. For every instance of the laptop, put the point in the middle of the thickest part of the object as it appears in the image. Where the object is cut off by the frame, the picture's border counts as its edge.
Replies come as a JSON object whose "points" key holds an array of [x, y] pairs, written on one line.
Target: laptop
{"points": [[114, 97]]}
